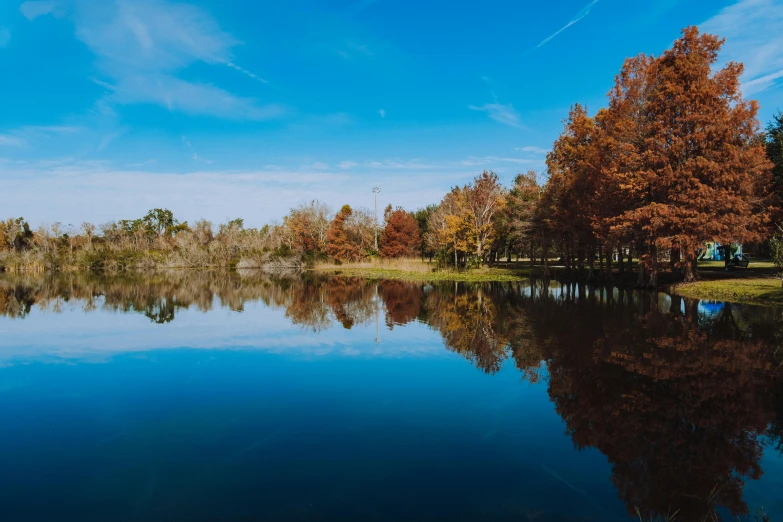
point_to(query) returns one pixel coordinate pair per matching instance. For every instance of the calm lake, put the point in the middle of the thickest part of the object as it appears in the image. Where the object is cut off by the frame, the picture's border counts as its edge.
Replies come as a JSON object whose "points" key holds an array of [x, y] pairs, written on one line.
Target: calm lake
{"points": [[214, 396]]}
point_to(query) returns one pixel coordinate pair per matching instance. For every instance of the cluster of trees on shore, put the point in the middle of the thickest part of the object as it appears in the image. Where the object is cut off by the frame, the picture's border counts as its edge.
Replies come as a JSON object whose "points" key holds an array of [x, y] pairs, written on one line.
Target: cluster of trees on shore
{"points": [[676, 159]]}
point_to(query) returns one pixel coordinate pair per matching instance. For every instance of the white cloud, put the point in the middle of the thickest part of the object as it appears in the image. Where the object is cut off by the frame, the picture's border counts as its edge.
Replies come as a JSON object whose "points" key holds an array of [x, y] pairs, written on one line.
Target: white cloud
{"points": [[348, 164], [108, 138], [382, 112], [51, 129], [534, 150], [11, 141], [752, 29], [353, 49], [5, 36], [100, 192], [581, 14], [32, 10], [505, 114], [475, 161], [141, 45]]}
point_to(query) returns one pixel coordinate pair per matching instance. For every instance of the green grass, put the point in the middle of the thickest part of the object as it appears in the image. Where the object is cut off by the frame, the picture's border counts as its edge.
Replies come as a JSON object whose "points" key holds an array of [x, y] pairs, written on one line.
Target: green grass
{"points": [[480, 275], [762, 291], [720, 265]]}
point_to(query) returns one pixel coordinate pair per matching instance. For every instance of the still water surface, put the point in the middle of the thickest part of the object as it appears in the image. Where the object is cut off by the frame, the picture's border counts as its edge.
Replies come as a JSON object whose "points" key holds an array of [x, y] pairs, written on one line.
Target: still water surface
{"points": [[205, 396]]}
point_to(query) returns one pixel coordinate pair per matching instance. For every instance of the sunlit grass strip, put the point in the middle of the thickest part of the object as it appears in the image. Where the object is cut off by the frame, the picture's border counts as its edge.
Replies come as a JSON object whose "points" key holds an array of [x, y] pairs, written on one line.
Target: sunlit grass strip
{"points": [[486, 275], [762, 291]]}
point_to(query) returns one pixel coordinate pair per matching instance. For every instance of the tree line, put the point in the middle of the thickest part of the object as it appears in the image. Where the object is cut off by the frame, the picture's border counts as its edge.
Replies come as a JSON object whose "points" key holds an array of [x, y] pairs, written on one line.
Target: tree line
{"points": [[676, 158]]}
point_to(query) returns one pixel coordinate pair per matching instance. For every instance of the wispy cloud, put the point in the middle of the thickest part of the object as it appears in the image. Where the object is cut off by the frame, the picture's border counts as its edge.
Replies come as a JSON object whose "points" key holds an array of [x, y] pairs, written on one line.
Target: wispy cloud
{"points": [[245, 72], [382, 112], [534, 150], [141, 47], [11, 141], [753, 36], [51, 129], [486, 160], [581, 14], [353, 49], [193, 154], [32, 10], [347, 164], [108, 138], [503, 113], [5, 36]]}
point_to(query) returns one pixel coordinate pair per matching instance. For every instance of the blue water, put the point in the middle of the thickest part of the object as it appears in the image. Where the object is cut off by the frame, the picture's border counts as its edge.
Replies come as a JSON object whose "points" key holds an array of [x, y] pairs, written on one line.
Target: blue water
{"points": [[224, 414]]}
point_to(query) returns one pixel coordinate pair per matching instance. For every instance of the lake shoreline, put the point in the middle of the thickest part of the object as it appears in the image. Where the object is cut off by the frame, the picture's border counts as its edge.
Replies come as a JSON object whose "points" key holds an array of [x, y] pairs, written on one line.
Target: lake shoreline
{"points": [[756, 286]]}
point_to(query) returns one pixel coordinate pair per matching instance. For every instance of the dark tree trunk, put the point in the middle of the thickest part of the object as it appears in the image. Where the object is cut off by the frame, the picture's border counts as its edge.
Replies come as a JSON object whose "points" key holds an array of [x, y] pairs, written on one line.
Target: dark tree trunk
{"points": [[691, 271], [674, 260], [545, 261], [601, 258], [591, 264], [653, 283], [641, 276]]}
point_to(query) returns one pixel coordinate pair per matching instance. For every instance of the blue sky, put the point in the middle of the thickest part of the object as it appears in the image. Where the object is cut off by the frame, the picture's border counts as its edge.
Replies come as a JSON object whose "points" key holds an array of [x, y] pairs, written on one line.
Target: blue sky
{"points": [[221, 109]]}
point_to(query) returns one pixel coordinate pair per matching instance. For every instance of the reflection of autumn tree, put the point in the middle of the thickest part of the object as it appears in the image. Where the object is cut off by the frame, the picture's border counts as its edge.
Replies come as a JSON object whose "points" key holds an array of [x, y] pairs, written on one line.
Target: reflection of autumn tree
{"points": [[512, 320], [351, 300], [677, 409], [402, 301], [466, 320], [307, 305], [677, 395]]}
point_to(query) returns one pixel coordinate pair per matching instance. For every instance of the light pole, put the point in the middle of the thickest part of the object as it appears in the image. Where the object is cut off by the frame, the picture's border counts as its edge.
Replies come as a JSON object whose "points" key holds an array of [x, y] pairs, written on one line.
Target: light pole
{"points": [[375, 191]]}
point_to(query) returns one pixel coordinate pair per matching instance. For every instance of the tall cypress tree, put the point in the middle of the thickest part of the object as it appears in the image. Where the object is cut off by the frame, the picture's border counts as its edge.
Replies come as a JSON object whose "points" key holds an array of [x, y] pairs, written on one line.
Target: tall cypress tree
{"points": [[775, 150]]}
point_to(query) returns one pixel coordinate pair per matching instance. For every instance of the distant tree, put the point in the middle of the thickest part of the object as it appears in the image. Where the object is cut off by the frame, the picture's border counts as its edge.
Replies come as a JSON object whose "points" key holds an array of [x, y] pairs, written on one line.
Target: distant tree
{"points": [[15, 234], [452, 227], [775, 150], [160, 222], [400, 236], [422, 216], [338, 240], [89, 232], [484, 198], [517, 216], [308, 225]]}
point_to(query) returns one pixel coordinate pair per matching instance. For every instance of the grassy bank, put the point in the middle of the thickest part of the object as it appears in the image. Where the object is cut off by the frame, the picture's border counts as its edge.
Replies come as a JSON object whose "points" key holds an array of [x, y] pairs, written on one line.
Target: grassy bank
{"points": [[418, 270], [756, 290], [756, 284]]}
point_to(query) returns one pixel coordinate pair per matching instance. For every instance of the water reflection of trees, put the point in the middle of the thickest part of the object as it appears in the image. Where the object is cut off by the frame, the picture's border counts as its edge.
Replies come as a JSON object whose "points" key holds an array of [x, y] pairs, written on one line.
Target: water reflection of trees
{"points": [[679, 396]]}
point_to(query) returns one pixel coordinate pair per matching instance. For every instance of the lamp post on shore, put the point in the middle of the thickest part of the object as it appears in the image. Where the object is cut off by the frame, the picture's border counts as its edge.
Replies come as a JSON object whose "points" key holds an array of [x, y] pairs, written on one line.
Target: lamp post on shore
{"points": [[375, 191]]}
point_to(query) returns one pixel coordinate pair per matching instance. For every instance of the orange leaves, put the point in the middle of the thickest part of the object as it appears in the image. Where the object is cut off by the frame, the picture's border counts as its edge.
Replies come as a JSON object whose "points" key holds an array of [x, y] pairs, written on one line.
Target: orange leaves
{"points": [[674, 161], [400, 236]]}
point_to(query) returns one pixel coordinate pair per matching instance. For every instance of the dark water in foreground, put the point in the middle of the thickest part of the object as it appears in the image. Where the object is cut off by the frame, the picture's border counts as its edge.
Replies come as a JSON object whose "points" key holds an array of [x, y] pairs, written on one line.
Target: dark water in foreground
{"points": [[196, 396]]}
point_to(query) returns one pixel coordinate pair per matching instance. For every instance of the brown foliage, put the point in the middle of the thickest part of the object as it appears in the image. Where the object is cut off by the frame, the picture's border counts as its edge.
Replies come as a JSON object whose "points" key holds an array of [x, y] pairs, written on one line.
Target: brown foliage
{"points": [[400, 237], [339, 245]]}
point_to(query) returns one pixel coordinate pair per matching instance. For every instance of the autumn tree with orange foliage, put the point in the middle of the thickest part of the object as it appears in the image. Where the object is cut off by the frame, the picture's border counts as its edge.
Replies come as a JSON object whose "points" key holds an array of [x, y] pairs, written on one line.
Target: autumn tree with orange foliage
{"points": [[704, 175], [339, 245], [674, 161], [400, 236]]}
